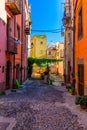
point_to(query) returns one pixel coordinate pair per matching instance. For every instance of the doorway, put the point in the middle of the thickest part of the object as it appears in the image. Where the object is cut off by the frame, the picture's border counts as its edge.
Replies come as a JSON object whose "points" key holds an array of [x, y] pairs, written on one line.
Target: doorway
{"points": [[81, 79], [8, 72], [18, 72]]}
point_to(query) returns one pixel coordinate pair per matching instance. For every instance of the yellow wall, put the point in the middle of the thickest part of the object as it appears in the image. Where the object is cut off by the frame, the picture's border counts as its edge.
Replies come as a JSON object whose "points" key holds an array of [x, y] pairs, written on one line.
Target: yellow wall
{"points": [[39, 46], [38, 50]]}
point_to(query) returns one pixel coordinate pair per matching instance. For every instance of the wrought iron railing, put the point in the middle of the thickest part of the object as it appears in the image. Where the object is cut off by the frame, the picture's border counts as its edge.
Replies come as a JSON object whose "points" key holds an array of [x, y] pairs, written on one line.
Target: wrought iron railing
{"points": [[11, 45]]}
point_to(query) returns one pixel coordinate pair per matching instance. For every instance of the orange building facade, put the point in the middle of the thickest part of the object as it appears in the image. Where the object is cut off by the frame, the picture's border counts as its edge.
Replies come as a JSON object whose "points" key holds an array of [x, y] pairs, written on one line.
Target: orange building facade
{"points": [[80, 12]]}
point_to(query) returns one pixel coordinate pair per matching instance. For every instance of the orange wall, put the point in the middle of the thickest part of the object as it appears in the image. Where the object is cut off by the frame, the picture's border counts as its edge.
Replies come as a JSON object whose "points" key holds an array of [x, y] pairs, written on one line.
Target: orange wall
{"points": [[81, 45]]}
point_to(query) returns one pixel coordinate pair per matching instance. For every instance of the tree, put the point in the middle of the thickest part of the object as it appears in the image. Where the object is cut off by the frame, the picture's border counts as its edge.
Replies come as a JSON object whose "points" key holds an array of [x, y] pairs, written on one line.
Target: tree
{"points": [[40, 62]]}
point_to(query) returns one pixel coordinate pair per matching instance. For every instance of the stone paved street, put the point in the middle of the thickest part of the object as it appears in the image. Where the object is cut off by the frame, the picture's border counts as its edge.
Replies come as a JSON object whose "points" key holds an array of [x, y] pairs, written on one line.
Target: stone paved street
{"points": [[38, 106]]}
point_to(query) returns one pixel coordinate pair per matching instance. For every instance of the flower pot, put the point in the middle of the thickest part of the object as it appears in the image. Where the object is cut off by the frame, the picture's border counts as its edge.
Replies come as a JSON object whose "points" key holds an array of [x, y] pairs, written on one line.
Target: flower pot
{"points": [[73, 93], [70, 90], [83, 106]]}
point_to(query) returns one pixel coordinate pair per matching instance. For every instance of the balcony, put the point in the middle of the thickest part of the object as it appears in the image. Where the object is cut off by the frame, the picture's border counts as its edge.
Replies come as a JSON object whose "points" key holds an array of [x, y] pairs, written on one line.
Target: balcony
{"points": [[67, 14], [14, 6], [11, 46], [66, 20], [27, 27]]}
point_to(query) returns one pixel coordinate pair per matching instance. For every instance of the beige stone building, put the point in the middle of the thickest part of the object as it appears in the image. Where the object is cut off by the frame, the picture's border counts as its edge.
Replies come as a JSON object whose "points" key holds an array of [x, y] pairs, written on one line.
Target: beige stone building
{"points": [[56, 51], [60, 55], [51, 53], [68, 40]]}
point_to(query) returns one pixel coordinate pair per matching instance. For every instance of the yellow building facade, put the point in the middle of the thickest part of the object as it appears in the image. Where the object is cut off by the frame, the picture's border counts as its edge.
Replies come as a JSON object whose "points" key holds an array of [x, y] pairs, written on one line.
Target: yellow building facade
{"points": [[38, 46], [38, 50]]}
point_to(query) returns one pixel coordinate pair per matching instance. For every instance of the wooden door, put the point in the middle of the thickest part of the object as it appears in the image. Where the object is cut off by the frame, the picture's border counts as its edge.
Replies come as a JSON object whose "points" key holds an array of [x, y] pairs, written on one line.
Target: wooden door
{"points": [[8, 74], [81, 79]]}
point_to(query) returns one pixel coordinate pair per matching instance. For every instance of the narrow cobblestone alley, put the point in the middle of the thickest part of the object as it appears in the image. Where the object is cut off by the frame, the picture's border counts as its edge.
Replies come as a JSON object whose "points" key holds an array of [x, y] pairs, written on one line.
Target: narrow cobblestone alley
{"points": [[38, 107]]}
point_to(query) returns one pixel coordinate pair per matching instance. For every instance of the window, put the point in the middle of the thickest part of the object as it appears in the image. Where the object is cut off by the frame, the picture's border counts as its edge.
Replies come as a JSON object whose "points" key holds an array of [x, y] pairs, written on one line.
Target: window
{"points": [[41, 42], [41, 51], [53, 53], [49, 53], [61, 53], [80, 25], [32, 44], [18, 32]]}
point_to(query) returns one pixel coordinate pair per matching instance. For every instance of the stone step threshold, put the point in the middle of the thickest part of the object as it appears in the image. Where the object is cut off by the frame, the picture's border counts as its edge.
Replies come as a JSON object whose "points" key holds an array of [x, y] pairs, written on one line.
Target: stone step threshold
{"points": [[7, 123]]}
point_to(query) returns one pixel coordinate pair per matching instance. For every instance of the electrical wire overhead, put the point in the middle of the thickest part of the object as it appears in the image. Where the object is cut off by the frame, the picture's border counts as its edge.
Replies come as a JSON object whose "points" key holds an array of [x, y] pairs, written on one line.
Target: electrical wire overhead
{"points": [[50, 31]]}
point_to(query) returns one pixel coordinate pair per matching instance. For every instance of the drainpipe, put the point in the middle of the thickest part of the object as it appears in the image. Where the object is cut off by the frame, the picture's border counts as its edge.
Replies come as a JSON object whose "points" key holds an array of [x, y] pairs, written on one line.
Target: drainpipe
{"points": [[74, 53], [74, 44], [65, 59], [21, 38], [14, 57]]}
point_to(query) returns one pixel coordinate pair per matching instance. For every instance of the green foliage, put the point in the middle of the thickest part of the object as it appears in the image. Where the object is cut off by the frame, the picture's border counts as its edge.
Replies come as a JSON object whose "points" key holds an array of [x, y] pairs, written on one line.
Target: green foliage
{"points": [[71, 89], [41, 61], [2, 93], [81, 100], [51, 79], [17, 84]]}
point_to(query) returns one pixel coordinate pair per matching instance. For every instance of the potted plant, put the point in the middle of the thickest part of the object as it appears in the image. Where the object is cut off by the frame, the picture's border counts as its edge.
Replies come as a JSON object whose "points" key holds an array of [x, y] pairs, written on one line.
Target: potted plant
{"points": [[71, 89], [82, 101], [51, 80]]}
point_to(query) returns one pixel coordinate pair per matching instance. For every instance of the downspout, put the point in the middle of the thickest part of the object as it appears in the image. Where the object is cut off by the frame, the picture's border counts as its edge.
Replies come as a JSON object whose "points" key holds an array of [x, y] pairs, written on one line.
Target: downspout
{"points": [[74, 53], [14, 56], [65, 59], [74, 29], [21, 38]]}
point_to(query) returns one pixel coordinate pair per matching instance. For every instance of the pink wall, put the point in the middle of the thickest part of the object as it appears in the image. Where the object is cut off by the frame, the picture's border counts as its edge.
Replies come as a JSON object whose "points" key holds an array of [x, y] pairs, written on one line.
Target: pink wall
{"points": [[4, 57], [2, 49]]}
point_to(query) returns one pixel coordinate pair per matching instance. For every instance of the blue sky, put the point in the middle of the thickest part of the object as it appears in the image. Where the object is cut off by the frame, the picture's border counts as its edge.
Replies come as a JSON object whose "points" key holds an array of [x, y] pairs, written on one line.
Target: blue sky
{"points": [[47, 15]]}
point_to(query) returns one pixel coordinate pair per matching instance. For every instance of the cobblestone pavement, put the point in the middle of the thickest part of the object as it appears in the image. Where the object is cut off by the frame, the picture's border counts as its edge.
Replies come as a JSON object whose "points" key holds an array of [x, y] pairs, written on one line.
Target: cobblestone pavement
{"points": [[39, 107]]}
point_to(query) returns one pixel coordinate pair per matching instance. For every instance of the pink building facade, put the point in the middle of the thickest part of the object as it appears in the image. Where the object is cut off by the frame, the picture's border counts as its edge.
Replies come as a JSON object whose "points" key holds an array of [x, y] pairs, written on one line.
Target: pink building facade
{"points": [[13, 42]]}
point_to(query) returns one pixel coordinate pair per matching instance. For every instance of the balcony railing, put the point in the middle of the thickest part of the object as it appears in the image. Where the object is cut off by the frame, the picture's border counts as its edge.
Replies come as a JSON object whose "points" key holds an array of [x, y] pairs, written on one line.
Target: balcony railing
{"points": [[67, 18], [67, 6], [27, 27], [14, 6], [67, 14], [11, 46]]}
